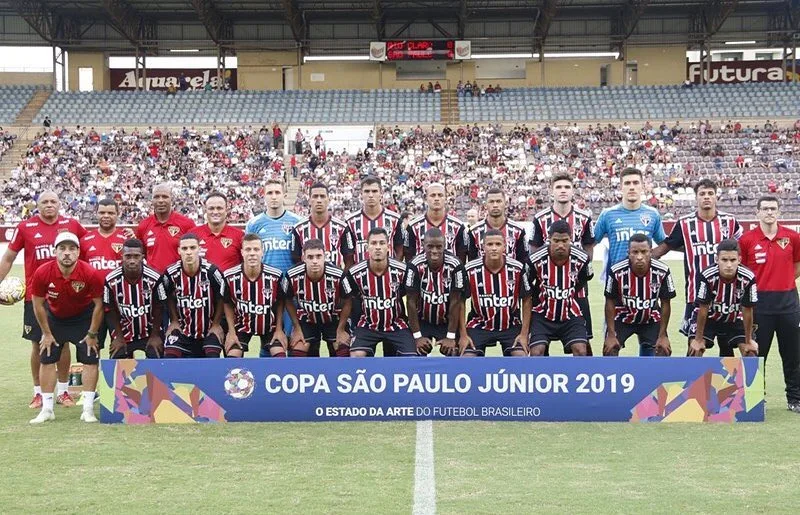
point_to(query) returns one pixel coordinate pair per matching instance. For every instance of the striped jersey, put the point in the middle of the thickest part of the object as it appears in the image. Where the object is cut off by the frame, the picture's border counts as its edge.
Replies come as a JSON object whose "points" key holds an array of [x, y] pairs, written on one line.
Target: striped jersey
{"points": [[637, 298], [516, 240], [496, 297], [360, 225], [434, 286], [255, 303], [276, 238], [555, 286], [195, 296], [699, 239], [382, 306], [334, 234], [726, 299], [134, 301], [618, 224], [579, 221], [318, 302], [452, 228]]}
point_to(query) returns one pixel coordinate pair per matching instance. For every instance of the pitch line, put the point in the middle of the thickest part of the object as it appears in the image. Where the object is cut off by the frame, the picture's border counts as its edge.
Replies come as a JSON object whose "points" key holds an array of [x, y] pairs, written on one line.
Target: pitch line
{"points": [[424, 477]]}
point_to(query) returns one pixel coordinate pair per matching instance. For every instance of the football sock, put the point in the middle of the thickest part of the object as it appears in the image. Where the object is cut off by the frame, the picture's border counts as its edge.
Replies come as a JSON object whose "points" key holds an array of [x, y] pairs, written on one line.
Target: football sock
{"points": [[88, 401], [173, 353], [280, 354], [343, 351], [211, 353], [37, 390], [61, 387], [299, 353], [47, 401]]}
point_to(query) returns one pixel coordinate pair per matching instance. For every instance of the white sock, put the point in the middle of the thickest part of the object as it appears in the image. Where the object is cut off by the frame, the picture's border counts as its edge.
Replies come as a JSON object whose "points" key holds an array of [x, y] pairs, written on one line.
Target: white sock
{"points": [[62, 387], [37, 390], [88, 401], [47, 401]]}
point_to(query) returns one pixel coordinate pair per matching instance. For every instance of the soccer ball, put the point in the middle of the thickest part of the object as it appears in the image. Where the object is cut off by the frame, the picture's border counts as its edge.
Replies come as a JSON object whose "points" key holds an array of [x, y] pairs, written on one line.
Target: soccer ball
{"points": [[12, 290], [239, 383]]}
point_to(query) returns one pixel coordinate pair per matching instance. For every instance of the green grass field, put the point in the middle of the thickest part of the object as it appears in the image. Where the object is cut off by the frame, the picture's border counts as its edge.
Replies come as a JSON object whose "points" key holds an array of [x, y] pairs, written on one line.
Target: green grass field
{"points": [[480, 467]]}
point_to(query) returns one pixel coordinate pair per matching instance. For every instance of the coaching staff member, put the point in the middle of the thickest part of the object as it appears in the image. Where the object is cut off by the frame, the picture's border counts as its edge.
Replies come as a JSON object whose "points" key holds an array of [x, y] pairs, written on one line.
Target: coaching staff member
{"points": [[772, 252], [67, 301]]}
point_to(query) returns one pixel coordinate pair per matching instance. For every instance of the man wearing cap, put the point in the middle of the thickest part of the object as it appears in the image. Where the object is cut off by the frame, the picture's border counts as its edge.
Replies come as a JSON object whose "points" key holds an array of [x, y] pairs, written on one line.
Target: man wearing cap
{"points": [[67, 301]]}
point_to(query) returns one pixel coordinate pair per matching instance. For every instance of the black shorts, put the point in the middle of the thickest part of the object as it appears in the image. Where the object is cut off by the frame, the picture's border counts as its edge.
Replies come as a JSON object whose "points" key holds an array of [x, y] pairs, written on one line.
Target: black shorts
{"points": [[727, 335], [482, 338], [570, 331], [30, 326], [647, 333], [587, 316], [434, 332], [71, 330], [192, 347], [265, 340], [131, 347], [686, 324], [366, 340]]}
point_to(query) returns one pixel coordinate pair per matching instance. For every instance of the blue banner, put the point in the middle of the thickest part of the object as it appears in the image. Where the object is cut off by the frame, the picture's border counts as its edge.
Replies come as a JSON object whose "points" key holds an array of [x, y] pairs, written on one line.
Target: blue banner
{"points": [[511, 389]]}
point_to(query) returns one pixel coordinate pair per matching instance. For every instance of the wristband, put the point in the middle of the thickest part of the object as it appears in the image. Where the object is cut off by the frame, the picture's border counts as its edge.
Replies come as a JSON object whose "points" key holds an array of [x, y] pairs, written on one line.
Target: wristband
{"points": [[451, 336], [417, 335], [91, 334]]}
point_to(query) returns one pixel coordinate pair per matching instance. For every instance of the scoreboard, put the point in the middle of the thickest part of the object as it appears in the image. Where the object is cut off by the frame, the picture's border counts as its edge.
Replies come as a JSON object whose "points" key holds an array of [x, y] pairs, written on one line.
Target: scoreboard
{"points": [[421, 50]]}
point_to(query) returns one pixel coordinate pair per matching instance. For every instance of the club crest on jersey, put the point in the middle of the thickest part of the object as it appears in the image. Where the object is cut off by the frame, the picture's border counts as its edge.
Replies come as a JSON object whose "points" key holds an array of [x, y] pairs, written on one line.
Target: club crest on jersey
{"points": [[577, 231], [287, 228], [173, 230], [226, 242], [334, 238], [116, 247], [573, 276], [330, 292], [654, 287], [783, 243], [724, 231], [738, 294], [78, 286], [204, 285], [645, 219], [267, 295], [511, 284]]}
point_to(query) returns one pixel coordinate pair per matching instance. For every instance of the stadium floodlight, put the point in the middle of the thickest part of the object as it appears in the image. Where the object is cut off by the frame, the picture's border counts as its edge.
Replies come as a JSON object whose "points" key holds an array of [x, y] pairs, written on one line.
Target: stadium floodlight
{"points": [[184, 50], [335, 58], [753, 42]]}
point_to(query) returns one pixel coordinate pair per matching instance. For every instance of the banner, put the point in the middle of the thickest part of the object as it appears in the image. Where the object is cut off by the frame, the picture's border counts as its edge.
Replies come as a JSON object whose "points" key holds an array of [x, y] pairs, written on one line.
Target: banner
{"points": [[734, 72], [159, 79], [502, 389]]}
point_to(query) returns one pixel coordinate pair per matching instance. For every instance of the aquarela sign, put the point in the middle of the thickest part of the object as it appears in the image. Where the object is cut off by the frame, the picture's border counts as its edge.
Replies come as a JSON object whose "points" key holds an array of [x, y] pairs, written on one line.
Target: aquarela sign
{"points": [[124, 79]]}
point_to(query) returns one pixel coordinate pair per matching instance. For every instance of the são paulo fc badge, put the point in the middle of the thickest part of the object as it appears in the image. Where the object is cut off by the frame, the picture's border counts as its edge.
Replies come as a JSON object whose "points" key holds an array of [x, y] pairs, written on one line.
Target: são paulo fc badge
{"points": [[78, 286], [645, 219], [173, 230], [116, 247], [511, 284], [723, 229], [287, 228], [226, 242], [654, 287]]}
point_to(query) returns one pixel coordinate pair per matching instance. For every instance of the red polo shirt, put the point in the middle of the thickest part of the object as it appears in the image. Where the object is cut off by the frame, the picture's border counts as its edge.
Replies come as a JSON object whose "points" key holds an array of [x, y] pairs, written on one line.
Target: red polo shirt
{"points": [[161, 239], [223, 250], [71, 296], [773, 263]]}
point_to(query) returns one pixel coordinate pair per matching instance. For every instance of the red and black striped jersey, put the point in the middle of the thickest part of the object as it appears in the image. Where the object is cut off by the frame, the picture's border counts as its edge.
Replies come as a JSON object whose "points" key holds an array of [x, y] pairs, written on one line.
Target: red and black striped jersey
{"points": [[516, 240], [452, 228], [556, 287], [496, 297], [334, 234], [699, 239], [434, 286], [360, 225], [382, 307], [637, 298], [134, 301], [195, 296], [318, 302], [580, 222], [726, 299], [255, 303]]}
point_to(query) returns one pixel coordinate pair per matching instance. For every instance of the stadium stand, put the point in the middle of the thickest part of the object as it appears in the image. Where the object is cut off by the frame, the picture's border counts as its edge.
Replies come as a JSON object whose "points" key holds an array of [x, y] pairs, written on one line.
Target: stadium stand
{"points": [[13, 100], [769, 100], [6, 141], [237, 107]]}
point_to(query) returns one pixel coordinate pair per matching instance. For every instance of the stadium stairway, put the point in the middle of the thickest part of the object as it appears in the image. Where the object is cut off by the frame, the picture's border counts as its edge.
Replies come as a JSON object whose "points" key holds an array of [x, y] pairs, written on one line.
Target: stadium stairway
{"points": [[15, 154], [38, 100], [292, 185], [449, 107]]}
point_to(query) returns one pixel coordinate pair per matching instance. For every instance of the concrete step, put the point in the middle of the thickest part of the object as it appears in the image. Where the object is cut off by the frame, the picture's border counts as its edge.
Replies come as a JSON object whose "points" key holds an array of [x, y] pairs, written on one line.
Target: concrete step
{"points": [[27, 114]]}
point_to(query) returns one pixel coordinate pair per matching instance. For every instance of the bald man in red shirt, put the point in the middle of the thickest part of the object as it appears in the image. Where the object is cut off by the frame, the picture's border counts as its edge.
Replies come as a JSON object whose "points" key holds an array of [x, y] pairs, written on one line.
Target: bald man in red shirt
{"points": [[161, 231]]}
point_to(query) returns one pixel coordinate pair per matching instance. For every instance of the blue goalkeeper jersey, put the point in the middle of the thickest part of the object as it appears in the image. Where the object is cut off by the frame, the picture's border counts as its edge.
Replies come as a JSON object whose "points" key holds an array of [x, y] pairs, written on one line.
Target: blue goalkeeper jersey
{"points": [[276, 238], [618, 224]]}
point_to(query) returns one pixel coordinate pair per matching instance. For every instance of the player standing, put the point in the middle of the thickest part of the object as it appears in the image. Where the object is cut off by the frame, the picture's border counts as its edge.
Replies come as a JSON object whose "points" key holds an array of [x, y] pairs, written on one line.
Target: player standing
{"points": [[435, 217], [558, 272], [315, 286], [725, 298], [162, 230], [697, 235], [195, 292], [512, 232], [501, 301], [334, 233], [378, 282], [220, 243], [254, 303], [36, 236], [374, 215], [134, 300], [67, 301], [772, 252], [275, 226], [436, 290], [638, 293]]}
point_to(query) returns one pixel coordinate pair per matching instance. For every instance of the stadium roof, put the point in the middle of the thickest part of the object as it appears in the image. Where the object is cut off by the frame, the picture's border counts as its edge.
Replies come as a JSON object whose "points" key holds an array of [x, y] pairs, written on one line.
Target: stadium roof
{"points": [[347, 26]]}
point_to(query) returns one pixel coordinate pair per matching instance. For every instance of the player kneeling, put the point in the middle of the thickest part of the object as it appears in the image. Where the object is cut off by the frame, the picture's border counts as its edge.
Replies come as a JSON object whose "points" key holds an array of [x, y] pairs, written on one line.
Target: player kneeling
{"points": [[558, 272], [498, 285], [254, 303], [633, 291], [67, 302], [436, 287], [134, 297], [195, 291], [315, 287], [726, 295]]}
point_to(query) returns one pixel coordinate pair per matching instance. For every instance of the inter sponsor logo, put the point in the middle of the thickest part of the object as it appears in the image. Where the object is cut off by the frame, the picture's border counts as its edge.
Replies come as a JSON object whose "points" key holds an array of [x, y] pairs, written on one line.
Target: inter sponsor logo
{"points": [[252, 308], [704, 248], [434, 298], [101, 263], [378, 303], [626, 233], [191, 302], [131, 311], [639, 304], [492, 301], [554, 292], [314, 307], [44, 252], [276, 244]]}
